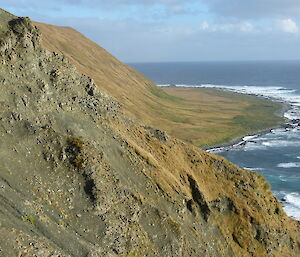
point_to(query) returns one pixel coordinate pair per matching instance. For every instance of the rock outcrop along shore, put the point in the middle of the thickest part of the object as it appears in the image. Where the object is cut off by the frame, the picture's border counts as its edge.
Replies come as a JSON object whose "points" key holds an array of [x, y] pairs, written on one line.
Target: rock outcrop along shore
{"points": [[80, 178]]}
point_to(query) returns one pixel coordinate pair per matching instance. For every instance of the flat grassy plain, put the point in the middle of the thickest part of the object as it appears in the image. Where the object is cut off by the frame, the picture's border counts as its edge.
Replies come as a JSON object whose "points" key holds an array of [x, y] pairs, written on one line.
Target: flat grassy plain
{"points": [[207, 117]]}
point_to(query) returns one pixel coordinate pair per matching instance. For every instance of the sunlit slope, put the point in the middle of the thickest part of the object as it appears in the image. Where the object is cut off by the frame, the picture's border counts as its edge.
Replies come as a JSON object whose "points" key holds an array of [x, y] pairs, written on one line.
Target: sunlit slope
{"points": [[198, 116], [133, 90]]}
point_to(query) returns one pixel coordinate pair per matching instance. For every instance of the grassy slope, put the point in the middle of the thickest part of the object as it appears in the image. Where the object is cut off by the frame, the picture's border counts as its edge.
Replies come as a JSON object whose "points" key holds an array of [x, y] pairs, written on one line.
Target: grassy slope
{"points": [[117, 79], [191, 115], [223, 116]]}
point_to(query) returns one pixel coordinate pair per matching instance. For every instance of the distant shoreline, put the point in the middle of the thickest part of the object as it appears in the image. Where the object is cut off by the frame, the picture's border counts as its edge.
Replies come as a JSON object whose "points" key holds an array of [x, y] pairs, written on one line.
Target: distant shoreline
{"points": [[239, 141]]}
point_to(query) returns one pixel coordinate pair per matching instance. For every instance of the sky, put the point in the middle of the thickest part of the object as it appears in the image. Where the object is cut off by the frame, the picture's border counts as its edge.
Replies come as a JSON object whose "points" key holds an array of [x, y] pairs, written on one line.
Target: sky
{"points": [[177, 30]]}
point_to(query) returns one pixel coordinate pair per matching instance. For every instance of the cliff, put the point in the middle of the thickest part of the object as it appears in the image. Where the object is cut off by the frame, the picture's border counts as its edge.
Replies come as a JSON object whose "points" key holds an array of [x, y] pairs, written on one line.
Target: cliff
{"points": [[80, 178]]}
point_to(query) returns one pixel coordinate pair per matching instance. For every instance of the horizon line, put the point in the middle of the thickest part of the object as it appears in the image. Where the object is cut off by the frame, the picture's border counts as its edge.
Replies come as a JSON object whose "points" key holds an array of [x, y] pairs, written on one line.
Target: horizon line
{"points": [[155, 62]]}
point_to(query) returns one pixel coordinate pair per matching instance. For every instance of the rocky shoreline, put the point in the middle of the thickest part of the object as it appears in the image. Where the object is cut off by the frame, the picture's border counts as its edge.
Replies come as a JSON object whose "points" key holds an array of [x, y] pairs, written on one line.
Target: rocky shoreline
{"points": [[291, 124], [240, 141]]}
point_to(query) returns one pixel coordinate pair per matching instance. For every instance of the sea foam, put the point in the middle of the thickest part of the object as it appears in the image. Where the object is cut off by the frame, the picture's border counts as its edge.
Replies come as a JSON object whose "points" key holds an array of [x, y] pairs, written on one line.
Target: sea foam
{"points": [[290, 202], [288, 165], [292, 205]]}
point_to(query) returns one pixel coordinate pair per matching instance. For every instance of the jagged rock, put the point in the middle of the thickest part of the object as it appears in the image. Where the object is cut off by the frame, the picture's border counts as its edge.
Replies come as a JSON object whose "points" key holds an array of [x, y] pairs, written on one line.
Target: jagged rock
{"points": [[159, 134]]}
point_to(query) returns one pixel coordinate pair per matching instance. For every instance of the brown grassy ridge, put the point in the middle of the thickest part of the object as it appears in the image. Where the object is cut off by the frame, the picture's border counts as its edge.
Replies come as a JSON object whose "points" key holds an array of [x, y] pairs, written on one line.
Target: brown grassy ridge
{"points": [[254, 214], [203, 117]]}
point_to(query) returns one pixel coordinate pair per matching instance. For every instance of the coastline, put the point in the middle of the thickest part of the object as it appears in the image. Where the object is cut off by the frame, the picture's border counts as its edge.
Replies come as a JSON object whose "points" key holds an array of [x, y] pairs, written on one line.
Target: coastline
{"points": [[278, 172], [209, 117], [240, 141]]}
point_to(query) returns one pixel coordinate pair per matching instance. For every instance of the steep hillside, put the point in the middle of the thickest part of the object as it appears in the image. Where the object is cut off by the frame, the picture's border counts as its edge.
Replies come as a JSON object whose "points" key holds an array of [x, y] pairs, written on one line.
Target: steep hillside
{"points": [[80, 178], [124, 83], [189, 115]]}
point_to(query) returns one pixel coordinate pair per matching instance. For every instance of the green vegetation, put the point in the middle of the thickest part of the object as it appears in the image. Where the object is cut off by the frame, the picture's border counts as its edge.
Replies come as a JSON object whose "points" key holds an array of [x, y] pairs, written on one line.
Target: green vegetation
{"points": [[258, 116], [29, 219], [159, 92], [207, 117]]}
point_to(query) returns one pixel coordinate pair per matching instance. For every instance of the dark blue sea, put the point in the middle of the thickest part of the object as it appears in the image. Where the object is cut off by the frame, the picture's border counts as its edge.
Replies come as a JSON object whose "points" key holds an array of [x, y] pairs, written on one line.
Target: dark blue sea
{"points": [[276, 155]]}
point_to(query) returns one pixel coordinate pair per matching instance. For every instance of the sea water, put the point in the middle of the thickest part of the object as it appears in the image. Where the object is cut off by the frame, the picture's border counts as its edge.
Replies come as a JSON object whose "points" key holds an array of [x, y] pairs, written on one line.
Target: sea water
{"points": [[275, 155]]}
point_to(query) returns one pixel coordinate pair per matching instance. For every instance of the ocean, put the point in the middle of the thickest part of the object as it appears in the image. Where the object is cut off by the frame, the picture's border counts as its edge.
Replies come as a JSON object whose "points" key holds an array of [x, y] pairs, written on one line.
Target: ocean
{"points": [[275, 155]]}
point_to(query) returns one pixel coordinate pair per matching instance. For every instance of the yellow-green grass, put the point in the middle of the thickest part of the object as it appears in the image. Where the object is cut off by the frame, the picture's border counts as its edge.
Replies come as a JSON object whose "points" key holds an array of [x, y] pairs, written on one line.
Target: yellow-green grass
{"points": [[207, 117]]}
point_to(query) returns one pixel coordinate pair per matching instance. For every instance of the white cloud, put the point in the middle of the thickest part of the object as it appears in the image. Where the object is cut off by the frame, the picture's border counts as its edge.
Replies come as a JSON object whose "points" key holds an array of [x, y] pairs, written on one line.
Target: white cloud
{"points": [[204, 26], [245, 27], [289, 26]]}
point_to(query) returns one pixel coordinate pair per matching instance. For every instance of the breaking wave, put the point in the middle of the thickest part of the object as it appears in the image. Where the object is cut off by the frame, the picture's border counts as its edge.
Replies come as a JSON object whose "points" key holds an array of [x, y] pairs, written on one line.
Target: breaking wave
{"points": [[291, 203], [288, 165]]}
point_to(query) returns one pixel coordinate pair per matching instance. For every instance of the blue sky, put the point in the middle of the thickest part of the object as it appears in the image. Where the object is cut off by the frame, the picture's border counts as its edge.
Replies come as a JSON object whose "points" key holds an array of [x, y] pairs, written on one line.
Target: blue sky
{"points": [[177, 30]]}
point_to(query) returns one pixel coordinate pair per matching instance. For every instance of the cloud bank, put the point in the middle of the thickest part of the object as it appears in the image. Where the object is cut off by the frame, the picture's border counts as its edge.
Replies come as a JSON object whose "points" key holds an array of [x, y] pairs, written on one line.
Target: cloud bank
{"points": [[177, 30], [253, 9]]}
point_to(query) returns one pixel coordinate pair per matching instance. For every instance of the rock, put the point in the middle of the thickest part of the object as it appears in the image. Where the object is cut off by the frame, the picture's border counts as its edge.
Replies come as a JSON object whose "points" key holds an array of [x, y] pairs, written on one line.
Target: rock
{"points": [[159, 134]]}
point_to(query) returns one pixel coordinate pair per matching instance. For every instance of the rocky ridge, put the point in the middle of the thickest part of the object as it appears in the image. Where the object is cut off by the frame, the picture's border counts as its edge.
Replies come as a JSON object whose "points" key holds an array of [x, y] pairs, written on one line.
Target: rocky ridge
{"points": [[79, 178]]}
